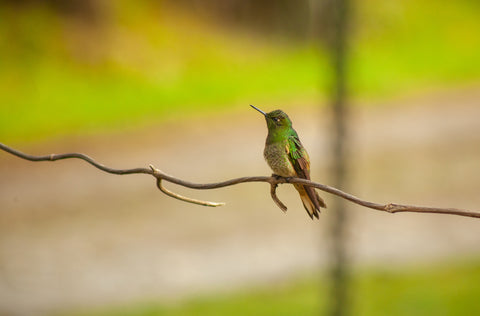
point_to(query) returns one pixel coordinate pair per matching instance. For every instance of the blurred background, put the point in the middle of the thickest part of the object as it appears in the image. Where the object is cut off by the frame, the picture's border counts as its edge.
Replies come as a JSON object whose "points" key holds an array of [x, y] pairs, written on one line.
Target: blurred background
{"points": [[168, 83]]}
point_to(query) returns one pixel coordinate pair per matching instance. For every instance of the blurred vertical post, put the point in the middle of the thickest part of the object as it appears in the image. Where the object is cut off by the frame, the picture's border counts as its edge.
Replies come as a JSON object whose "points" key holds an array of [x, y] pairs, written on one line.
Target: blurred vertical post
{"points": [[339, 31]]}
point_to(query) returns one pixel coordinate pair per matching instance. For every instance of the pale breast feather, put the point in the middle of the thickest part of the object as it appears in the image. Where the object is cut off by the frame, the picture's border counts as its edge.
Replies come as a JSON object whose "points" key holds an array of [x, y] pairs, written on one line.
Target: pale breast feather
{"points": [[277, 158]]}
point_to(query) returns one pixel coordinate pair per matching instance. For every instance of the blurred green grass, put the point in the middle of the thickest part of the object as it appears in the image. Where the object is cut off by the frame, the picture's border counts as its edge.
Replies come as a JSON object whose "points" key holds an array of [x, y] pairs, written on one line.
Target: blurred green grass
{"points": [[148, 63], [438, 289]]}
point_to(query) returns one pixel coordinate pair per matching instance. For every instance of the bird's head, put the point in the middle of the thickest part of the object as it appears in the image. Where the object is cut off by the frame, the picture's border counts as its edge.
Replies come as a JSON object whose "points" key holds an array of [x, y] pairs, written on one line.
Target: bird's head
{"points": [[276, 120]]}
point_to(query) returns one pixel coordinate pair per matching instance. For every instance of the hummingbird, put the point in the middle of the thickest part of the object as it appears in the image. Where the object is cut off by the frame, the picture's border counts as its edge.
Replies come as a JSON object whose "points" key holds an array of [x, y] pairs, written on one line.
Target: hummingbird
{"points": [[287, 157]]}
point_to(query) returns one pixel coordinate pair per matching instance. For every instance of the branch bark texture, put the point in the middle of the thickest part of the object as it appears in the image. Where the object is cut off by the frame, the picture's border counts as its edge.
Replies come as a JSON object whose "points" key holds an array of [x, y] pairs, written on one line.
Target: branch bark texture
{"points": [[273, 181]]}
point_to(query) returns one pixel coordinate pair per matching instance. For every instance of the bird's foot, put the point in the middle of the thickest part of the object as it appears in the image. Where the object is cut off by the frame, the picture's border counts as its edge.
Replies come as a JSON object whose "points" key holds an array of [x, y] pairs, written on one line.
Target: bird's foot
{"points": [[278, 177]]}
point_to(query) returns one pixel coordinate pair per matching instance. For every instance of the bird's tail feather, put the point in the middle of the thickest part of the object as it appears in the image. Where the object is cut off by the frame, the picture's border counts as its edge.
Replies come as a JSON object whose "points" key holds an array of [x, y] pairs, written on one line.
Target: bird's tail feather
{"points": [[311, 200]]}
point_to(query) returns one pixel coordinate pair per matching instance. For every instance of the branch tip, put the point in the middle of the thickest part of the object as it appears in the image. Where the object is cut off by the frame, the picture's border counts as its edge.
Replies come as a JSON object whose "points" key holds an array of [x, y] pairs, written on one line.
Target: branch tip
{"points": [[273, 194], [184, 198]]}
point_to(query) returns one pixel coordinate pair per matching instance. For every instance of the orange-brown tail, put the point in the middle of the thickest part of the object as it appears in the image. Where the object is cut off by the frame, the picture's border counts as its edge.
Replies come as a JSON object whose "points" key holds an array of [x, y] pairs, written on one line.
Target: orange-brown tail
{"points": [[311, 200]]}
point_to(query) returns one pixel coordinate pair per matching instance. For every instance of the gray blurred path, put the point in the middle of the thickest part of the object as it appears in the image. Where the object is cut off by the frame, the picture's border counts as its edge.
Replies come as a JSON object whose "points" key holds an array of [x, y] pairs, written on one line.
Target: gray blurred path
{"points": [[73, 236]]}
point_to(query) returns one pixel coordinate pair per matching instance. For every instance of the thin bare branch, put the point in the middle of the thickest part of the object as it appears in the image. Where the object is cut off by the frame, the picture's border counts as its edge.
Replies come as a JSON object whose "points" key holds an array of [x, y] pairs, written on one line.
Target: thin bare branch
{"points": [[273, 181], [181, 197], [53, 157], [273, 193]]}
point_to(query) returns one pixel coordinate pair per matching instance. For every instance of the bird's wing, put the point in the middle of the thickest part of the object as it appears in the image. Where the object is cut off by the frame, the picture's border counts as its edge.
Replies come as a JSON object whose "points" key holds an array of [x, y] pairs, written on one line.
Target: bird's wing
{"points": [[301, 163], [298, 157]]}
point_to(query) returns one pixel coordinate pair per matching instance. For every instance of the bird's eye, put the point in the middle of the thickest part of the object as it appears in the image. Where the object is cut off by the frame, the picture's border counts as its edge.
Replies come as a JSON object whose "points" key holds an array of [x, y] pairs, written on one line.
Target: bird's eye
{"points": [[276, 119]]}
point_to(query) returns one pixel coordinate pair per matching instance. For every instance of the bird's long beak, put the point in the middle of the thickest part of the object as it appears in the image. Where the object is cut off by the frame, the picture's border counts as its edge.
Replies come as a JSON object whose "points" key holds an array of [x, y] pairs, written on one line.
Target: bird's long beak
{"points": [[258, 110]]}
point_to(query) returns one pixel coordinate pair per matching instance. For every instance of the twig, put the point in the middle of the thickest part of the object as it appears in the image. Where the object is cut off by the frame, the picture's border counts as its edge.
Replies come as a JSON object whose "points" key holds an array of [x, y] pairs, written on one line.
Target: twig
{"points": [[273, 193], [273, 181], [158, 174]]}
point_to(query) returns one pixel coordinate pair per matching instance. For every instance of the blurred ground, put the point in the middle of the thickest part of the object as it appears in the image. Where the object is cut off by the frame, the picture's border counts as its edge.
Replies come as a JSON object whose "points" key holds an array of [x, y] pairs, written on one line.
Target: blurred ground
{"points": [[71, 235]]}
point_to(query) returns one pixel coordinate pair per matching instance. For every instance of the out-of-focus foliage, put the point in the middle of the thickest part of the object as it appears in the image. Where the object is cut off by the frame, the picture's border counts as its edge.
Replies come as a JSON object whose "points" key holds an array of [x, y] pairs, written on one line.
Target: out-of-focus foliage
{"points": [[116, 64], [142, 61], [426, 290], [406, 45]]}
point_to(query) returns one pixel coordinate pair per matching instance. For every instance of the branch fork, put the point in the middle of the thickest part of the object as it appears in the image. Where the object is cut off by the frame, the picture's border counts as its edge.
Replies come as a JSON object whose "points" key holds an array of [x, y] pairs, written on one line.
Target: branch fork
{"points": [[159, 175]]}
